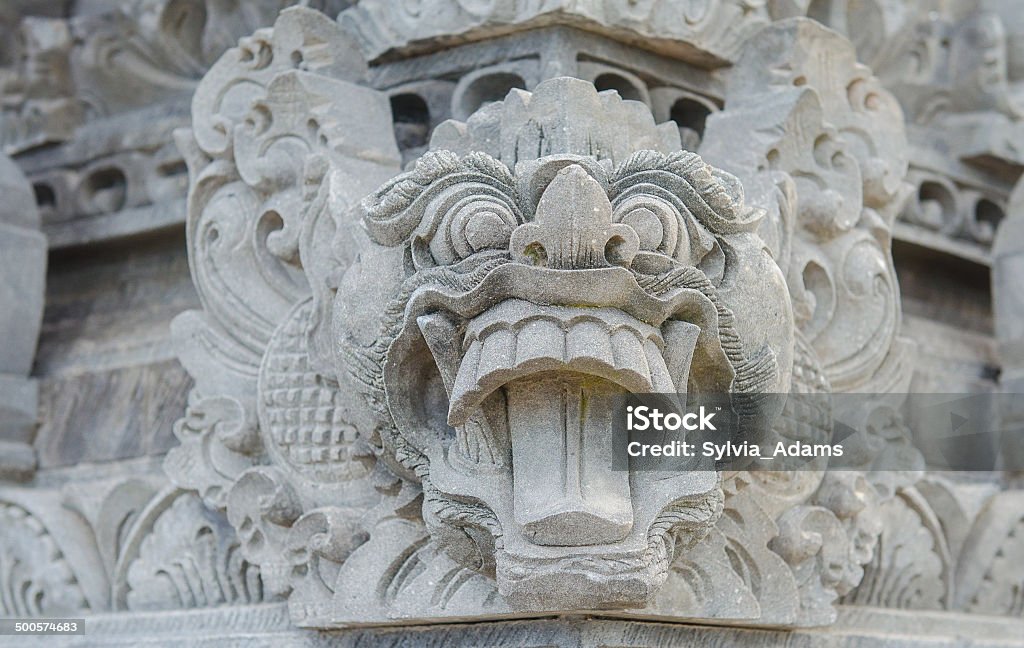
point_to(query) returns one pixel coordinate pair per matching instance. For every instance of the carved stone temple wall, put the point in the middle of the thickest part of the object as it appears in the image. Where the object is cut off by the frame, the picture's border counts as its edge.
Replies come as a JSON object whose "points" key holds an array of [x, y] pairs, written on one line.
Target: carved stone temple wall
{"points": [[307, 313]]}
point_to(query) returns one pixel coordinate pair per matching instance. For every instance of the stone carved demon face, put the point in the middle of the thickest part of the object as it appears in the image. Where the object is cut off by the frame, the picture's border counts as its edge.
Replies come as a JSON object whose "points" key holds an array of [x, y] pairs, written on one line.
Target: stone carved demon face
{"points": [[497, 312]]}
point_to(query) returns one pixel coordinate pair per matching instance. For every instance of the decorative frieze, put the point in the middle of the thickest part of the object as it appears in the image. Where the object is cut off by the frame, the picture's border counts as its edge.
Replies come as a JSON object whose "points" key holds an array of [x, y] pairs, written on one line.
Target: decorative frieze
{"points": [[362, 411], [431, 241]]}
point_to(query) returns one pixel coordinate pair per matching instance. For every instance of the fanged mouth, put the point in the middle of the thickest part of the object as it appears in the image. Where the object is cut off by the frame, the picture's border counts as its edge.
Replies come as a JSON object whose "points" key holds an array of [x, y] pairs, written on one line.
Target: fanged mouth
{"points": [[522, 376], [560, 370], [517, 338], [534, 350]]}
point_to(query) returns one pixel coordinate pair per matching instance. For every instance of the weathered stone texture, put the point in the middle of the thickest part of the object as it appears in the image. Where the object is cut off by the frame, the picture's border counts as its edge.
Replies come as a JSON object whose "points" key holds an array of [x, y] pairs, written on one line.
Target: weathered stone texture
{"points": [[269, 626], [336, 296], [109, 389], [141, 405], [114, 310], [22, 282]]}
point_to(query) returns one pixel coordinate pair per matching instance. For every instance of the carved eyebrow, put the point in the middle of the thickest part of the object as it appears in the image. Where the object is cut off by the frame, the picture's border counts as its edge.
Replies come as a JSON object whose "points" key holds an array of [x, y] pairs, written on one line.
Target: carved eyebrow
{"points": [[390, 214], [695, 185]]}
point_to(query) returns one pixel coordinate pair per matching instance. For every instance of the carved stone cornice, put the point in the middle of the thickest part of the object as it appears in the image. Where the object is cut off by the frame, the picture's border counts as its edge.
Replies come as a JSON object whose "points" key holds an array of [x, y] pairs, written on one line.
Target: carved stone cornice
{"points": [[957, 71], [709, 33]]}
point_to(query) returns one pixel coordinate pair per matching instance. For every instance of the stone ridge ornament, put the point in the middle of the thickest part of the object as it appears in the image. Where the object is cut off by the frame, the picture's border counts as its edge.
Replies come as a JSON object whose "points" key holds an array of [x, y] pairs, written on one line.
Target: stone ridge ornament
{"points": [[402, 379], [698, 30], [804, 117], [956, 69]]}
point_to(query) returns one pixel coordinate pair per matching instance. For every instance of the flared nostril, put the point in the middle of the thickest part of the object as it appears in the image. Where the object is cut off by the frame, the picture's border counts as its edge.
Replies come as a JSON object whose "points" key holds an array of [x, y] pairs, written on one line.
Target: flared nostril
{"points": [[617, 251], [536, 254]]}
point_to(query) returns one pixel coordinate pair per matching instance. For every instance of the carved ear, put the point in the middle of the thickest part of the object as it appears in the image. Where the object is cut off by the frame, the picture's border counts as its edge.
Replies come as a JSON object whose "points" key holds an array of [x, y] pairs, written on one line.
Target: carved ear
{"points": [[330, 240], [322, 267], [267, 106], [835, 136]]}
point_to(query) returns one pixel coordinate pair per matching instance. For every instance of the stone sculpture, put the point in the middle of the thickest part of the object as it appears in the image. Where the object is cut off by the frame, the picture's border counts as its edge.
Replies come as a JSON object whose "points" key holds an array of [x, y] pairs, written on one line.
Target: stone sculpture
{"points": [[954, 70], [411, 351], [432, 242]]}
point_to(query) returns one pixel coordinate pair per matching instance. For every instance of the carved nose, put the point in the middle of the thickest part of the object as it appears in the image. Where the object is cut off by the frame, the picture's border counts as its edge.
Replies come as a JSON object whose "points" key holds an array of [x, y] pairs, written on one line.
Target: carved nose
{"points": [[573, 227]]}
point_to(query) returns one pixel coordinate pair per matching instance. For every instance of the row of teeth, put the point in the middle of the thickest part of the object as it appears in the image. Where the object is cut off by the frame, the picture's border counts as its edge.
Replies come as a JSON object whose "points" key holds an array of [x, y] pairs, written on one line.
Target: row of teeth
{"points": [[500, 351], [512, 347]]}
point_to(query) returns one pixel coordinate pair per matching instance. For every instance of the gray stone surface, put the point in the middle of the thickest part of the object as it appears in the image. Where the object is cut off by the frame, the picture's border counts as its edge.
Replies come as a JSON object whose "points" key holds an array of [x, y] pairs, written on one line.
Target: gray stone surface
{"points": [[105, 339], [379, 399], [705, 32], [22, 284], [268, 625], [961, 96], [491, 308], [23, 274]]}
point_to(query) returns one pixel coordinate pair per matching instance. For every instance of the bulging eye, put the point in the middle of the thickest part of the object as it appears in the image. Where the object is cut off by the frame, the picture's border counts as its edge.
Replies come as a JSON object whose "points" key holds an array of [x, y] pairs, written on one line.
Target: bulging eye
{"points": [[475, 224], [656, 222], [648, 227], [486, 230]]}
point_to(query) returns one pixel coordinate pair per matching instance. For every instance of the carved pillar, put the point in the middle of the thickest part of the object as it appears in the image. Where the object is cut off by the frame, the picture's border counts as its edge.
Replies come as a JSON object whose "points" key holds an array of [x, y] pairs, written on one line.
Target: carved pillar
{"points": [[1008, 303], [22, 286]]}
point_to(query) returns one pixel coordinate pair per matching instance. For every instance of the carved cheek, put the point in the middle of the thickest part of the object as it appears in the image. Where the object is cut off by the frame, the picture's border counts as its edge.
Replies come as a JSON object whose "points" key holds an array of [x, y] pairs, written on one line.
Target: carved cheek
{"points": [[372, 281], [755, 290]]}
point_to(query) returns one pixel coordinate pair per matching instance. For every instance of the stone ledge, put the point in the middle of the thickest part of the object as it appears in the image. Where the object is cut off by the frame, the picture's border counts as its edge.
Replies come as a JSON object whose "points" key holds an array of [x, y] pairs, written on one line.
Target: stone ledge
{"points": [[268, 625], [127, 222], [969, 250]]}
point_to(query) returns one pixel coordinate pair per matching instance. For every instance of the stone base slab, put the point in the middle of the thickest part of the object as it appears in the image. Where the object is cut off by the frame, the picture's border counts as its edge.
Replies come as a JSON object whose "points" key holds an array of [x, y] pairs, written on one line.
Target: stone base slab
{"points": [[268, 625]]}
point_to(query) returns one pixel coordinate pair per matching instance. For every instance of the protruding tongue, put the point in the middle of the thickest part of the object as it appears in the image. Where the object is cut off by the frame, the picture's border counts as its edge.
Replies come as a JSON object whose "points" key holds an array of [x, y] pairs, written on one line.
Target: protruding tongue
{"points": [[565, 492], [562, 369]]}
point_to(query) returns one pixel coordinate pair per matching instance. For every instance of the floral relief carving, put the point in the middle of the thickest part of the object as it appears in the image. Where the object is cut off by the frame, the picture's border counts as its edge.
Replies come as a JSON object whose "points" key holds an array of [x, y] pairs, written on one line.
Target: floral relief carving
{"points": [[399, 398], [409, 328], [190, 558], [35, 578]]}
